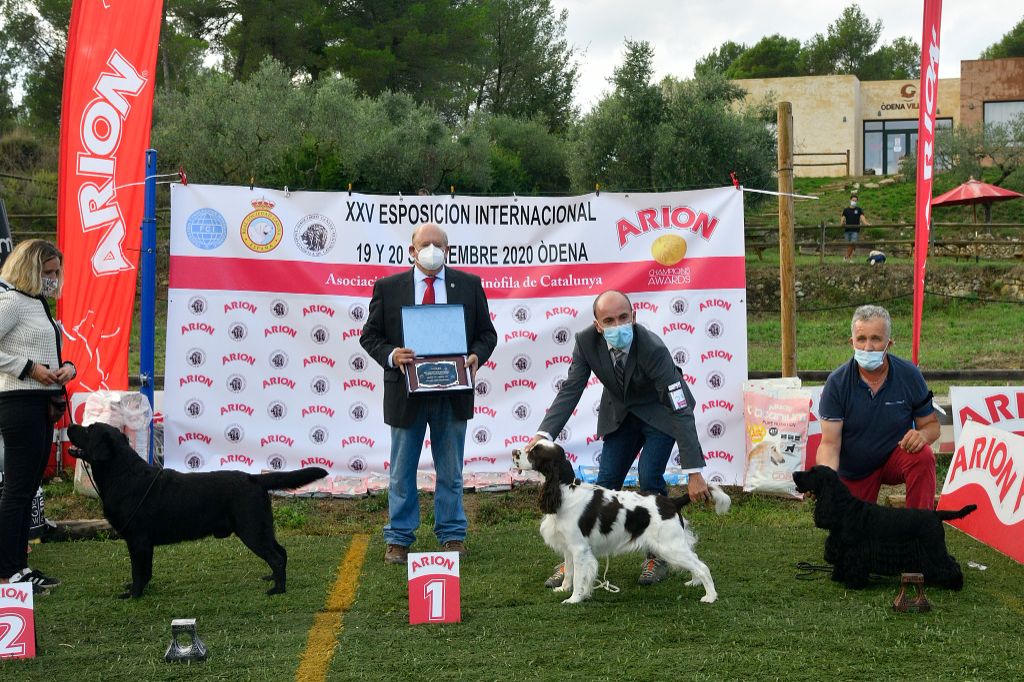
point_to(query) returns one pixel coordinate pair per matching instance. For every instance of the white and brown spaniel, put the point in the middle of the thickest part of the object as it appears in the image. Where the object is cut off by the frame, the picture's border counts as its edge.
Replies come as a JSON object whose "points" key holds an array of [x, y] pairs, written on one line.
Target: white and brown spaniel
{"points": [[583, 522]]}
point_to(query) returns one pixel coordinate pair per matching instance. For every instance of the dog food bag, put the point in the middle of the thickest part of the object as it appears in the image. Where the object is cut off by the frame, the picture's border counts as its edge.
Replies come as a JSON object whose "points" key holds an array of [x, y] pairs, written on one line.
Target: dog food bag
{"points": [[776, 418], [127, 411], [376, 482], [349, 487], [426, 481], [525, 477], [492, 481]]}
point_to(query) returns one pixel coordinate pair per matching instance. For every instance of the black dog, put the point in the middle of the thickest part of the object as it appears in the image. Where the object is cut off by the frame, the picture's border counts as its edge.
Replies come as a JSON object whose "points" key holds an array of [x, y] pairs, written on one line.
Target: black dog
{"points": [[150, 506], [867, 538]]}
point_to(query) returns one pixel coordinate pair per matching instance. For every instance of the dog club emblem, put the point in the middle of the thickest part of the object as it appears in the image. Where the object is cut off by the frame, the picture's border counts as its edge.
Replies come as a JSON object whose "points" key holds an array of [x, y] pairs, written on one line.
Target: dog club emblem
{"points": [[481, 436], [482, 387], [278, 308], [356, 312], [521, 411], [197, 305], [715, 380], [261, 229], [195, 357], [278, 359], [194, 408], [238, 331], [320, 385], [680, 357], [357, 464], [521, 363], [564, 436], [318, 435], [358, 412], [716, 429], [357, 363], [234, 433], [315, 235], [561, 336], [277, 410], [679, 306], [320, 335], [194, 461], [236, 383], [714, 329], [275, 462], [521, 314]]}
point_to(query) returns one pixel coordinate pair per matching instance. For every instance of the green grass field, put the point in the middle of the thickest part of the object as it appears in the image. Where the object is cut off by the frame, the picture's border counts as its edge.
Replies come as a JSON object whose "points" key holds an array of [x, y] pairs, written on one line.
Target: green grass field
{"points": [[766, 625]]}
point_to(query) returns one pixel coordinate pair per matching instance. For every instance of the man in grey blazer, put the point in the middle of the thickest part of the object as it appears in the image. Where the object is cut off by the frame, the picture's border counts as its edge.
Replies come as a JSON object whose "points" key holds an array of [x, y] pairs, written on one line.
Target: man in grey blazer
{"points": [[646, 408], [446, 413]]}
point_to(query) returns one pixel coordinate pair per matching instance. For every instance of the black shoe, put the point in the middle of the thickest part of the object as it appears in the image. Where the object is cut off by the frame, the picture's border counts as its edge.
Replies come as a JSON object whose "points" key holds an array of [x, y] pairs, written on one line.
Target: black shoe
{"points": [[30, 575]]}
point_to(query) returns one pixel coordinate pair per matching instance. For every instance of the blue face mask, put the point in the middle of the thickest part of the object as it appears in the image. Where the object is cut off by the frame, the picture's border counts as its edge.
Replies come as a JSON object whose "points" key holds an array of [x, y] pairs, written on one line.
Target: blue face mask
{"points": [[619, 337], [869, 359]]}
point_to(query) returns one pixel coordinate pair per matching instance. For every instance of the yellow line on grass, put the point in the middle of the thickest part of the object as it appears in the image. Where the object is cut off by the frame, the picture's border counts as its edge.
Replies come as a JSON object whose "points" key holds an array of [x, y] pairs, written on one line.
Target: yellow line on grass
{"points": [[1008, 600], [327, 624]]}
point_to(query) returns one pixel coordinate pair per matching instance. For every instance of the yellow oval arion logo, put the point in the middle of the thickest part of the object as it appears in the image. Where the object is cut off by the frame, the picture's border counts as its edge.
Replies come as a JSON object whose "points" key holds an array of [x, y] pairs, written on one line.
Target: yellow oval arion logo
{"points": [[668, 249]]}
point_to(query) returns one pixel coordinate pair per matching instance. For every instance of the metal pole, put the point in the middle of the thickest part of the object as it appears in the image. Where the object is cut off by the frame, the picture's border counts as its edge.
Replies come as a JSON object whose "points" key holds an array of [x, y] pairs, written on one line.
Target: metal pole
{"points": [[147, 328], [787, 249]]}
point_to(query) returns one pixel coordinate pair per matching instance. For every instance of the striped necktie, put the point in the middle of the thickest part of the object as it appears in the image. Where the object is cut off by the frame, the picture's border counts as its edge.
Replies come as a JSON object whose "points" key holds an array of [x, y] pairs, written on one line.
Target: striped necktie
{"points": [[619, 365]]}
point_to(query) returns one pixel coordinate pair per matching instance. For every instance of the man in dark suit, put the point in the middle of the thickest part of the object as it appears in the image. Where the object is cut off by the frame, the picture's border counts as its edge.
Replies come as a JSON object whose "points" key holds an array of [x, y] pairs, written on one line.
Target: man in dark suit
{"points": [[446, 413], [646, 407]]}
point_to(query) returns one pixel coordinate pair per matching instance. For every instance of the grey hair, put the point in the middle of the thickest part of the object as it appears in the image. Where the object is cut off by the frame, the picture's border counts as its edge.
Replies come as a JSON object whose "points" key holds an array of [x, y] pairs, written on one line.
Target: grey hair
{"points": [[872, 312]]}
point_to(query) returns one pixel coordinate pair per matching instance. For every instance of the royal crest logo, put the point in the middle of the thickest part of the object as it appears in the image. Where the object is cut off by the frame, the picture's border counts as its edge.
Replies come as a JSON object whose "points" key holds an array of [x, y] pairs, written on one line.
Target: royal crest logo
{"points": [[194, 408], [561, 336], [278, 359], [318, 435], [234, 433], [235, 383], [357, 312], [197, 305], [315, 235], [277, 410], [679, 306], [481, 435], [278, 308], [716, 429], [358, 412], [680, 356], [715, 380], [238, 331], [276, 462], [521, 411], [521, 363], [483, 387], [714, 329], [357, 464], [195, 357], [194, 461], [320, 385], [206, 229], [261, 229], [357, 363], [319, 334]]}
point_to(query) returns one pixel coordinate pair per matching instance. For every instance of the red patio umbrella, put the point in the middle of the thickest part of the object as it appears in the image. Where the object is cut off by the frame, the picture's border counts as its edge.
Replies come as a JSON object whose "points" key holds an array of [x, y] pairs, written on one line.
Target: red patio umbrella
{"points": [[975, 192]]}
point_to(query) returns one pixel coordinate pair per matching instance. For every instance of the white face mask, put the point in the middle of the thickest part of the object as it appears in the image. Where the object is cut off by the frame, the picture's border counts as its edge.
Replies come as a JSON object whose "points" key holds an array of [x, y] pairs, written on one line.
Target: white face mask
{"points": [[430, 257], [50, 285]]}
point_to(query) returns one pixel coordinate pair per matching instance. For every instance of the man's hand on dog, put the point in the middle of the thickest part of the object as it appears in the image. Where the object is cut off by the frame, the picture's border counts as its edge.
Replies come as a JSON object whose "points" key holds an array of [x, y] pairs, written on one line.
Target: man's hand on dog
{"points": [[697, 487]]}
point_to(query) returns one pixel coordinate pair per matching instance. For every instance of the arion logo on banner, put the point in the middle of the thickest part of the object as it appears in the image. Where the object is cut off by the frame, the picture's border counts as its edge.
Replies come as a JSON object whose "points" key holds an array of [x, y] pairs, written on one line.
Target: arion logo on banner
{"points": [[667, 218], [100, 132]]}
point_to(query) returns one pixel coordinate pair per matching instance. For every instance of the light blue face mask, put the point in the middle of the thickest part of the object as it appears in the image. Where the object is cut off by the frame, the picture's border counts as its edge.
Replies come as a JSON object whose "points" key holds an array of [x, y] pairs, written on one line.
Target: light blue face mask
{"points": [[619, 337], [869, 359]]}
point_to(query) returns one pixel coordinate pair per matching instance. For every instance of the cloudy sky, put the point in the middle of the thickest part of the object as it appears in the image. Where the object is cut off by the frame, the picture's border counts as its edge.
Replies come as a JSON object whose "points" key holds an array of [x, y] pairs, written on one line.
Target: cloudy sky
{"points": [[683, 31]]}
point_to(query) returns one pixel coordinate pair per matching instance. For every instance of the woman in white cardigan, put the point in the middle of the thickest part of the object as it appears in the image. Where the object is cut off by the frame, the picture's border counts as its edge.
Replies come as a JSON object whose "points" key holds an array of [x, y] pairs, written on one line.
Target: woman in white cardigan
{"points": [[31, 378]]}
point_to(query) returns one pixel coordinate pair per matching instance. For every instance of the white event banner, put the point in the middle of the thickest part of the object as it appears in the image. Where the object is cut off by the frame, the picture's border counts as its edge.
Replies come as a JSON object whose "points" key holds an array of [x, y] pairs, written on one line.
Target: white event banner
{"points": [[999, 406], [269, 292]]}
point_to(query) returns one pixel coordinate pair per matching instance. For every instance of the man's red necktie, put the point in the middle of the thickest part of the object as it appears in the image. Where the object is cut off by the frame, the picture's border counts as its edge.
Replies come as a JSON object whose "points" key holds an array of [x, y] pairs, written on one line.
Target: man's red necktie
{"points": [[428, 295]]}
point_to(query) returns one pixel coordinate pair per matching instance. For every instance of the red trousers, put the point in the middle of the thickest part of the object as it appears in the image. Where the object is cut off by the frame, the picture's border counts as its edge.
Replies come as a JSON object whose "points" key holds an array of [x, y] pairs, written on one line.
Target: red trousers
{"points": [[917, 470]]}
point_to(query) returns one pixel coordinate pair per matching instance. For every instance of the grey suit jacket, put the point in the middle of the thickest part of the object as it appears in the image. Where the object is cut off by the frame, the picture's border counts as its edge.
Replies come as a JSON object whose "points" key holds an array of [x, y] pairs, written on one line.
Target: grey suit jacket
{"points": [[649, 373]]}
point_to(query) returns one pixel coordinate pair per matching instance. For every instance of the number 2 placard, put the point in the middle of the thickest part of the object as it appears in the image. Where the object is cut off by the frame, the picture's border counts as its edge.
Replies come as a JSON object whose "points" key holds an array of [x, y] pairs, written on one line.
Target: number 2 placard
{"points": [[17, 625], [434, 588]]}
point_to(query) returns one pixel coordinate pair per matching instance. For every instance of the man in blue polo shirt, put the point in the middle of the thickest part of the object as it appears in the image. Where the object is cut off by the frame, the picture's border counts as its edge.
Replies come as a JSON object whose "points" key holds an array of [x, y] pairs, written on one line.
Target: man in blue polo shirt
{"points": [[877, 419]]}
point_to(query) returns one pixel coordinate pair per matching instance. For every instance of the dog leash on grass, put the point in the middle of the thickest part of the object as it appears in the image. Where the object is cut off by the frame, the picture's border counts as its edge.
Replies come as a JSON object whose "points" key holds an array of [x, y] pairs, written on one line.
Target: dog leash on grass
{"points": [[604, 583], [808, 570]]}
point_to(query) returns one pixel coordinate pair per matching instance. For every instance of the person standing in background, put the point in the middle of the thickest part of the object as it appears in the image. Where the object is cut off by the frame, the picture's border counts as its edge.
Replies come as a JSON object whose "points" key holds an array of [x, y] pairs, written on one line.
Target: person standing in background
{"points": [[853, 217]]}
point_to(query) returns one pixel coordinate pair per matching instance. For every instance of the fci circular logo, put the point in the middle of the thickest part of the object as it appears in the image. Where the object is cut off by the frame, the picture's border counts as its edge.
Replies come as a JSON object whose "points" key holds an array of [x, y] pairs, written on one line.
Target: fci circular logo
{"points": [[261, 229]]}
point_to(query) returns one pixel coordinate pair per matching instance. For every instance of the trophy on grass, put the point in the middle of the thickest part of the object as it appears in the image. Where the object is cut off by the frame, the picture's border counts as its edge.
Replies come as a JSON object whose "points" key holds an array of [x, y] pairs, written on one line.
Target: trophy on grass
{"points": [[437, 333]]}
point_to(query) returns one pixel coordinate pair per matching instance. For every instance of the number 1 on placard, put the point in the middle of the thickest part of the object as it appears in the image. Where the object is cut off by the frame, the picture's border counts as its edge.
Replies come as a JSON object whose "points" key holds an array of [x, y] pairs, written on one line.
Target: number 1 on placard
{"points": [[11, 627], [433, 592]]}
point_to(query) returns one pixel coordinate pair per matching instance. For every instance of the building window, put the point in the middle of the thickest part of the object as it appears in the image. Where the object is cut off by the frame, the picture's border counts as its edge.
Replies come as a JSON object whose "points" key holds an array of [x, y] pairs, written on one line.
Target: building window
{"points": [[1002, 112], [887, 142]]}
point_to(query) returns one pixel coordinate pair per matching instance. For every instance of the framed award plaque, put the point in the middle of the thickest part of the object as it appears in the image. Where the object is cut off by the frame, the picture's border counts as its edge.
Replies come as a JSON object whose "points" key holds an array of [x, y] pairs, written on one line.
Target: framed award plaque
{"points": [[437, 334]]}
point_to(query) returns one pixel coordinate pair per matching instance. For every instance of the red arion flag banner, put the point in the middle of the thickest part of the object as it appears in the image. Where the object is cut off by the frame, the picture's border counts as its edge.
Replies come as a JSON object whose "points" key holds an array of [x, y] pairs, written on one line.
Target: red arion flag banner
{"points": [[106, 111], [925, 156]]}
